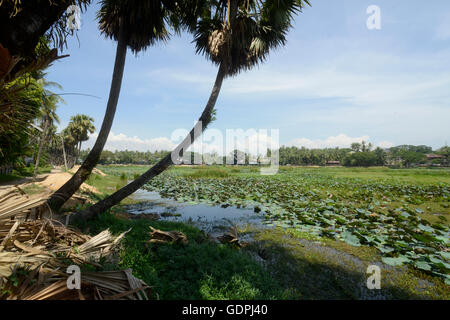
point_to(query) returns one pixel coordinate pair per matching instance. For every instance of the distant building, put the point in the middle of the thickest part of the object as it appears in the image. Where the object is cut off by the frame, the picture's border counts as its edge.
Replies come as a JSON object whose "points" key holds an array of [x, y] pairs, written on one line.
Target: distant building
{"points": [[433, 156], [333, 163]]}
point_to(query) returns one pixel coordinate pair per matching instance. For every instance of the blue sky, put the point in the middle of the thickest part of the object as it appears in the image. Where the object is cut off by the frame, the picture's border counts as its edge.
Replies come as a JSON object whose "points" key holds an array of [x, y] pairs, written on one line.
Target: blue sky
{"points": [[335, 82]]}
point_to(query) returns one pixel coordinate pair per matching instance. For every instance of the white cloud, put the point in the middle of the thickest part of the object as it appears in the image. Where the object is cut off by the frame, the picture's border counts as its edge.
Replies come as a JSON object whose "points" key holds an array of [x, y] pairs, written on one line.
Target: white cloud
{"points": [[359, 88], [252, 141], [123, 142], [386, 94], [212, 141], [341, 140]]}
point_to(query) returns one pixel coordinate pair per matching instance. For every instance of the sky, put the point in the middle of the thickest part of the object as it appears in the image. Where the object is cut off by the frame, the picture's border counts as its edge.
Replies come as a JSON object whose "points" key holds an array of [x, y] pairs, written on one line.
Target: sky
{"points": [[335, 82]]}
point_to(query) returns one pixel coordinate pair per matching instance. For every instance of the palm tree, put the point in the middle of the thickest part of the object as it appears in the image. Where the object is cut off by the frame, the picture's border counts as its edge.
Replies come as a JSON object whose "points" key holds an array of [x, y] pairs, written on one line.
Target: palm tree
{"points": [[49, 104], [79, 128], [136, 24], [237, 37]]}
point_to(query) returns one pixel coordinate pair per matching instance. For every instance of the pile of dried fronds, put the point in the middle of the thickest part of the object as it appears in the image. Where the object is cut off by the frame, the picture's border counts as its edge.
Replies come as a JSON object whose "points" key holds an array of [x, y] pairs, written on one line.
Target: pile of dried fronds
{"points": [[159, 236], [14, 203], [35, 254], [40, 284]]}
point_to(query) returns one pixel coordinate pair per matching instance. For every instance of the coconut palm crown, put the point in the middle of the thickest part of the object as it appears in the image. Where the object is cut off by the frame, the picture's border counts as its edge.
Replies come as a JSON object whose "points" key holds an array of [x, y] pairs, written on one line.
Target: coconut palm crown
{"points": [[145, 22], [240, 33]]}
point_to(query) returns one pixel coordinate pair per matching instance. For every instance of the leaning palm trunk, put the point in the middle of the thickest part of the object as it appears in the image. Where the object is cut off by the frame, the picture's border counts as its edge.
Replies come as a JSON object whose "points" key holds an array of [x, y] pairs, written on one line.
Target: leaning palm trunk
{"points": [[41, 145], [71, 186], [163, 164]]}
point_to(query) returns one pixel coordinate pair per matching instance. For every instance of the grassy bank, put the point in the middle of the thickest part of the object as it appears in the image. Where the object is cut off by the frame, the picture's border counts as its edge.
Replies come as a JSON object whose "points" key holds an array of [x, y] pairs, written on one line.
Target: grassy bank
{"points": [[300, 259], [278, 264], [198, 270]]}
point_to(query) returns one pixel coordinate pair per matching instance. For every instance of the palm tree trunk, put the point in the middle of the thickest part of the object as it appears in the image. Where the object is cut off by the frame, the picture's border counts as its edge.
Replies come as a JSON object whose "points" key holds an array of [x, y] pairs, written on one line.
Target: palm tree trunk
{"points": [[41, 145], [164, 163], [64, 152], [71, 186], [79, 150]]}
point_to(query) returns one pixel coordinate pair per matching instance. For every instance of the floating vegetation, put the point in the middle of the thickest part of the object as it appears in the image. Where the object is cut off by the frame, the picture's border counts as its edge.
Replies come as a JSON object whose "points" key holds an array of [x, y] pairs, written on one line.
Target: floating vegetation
{"points": [[378, 213]]}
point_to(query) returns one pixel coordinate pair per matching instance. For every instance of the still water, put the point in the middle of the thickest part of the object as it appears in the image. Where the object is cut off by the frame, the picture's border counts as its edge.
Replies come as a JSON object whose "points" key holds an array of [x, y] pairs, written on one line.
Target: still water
{"points": [[212, 219]]}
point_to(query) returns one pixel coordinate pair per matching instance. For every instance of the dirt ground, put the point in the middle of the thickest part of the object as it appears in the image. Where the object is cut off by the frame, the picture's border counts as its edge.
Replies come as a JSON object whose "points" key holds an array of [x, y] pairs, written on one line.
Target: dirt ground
{"points": [[57, 178], [50, 182]]}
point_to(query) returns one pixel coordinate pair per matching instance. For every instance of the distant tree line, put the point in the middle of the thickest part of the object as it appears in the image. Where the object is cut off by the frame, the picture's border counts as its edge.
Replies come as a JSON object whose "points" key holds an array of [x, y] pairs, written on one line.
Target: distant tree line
{"points": [[365, 155], [361, 154], [127, 157]]}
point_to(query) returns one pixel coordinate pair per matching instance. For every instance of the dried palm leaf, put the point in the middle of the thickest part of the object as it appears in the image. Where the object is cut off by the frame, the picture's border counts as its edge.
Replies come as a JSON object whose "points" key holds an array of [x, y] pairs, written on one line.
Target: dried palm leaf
{"points": [[159, 236]]}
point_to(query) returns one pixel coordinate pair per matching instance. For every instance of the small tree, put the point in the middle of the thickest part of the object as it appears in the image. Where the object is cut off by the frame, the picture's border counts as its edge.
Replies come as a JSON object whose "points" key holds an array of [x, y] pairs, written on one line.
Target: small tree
{"points": [[356, 146]]}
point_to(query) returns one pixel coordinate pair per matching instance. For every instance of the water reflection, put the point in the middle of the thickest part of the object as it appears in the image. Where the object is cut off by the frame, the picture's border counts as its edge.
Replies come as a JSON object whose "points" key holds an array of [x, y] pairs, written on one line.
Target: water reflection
{"points": [[212, 219]]}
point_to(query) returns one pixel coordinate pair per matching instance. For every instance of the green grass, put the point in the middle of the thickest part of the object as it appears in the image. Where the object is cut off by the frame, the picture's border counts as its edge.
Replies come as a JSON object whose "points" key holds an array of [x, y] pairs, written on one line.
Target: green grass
{"points": [[414, 175], [406, 221], [199, 270], [33, 189], [317, 268], [205, 172], [422, 175], [303, 201], [117, 170], [278, 264]]}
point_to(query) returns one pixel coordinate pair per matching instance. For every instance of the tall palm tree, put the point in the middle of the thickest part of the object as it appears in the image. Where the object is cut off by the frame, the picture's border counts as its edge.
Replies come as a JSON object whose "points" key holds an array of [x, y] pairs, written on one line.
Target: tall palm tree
{"points": [[136, 24], [50, 102], [79, 128], [237, 37]]}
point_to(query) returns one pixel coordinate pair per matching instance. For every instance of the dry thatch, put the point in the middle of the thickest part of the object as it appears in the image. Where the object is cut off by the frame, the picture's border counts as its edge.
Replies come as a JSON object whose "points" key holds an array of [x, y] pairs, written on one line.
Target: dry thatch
{"points": [[15, 203], [107, 285], [231, 237], [159, 236], [37, 253]]}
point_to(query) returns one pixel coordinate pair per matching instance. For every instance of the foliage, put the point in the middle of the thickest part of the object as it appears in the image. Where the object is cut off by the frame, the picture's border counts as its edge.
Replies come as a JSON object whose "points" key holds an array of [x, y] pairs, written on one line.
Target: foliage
{"points": [[242, 33], [205, 172], [360, 154], [362, 159], [19, 11], [304, 156], [21, 100], [127, 157], [78, 131], [287, 156], [300, 265], [378, 213], [143, 22], [199, 270]]}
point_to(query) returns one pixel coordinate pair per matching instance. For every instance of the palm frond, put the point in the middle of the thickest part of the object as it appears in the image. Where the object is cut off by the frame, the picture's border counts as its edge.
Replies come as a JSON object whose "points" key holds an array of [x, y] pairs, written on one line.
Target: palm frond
{"points": [[245, 40]]}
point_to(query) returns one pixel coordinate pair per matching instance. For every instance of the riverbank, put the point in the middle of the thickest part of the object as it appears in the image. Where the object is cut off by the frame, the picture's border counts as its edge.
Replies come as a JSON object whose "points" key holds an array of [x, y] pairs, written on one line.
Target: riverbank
{"points": [[303, 266], [269, 262]]}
